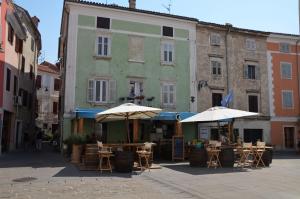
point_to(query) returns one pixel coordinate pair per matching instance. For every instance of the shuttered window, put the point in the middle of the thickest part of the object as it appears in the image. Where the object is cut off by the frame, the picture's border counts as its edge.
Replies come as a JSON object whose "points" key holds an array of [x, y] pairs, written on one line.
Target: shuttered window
{"points": [[251, 71], [216, 68], [23, 64], [15, 85], [101, 91], [286, 70], [56, 84], [215, 39], [168, 95], [103, 22], [253, 103], [10, 35], [55, 107], [167, 31], [103, 46], [167, 52]]}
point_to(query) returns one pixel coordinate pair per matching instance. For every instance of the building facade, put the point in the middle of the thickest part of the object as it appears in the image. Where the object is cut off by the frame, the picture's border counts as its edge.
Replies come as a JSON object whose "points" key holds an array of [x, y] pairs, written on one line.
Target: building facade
{"points": [[232, 61], [47, 92], [113, 55], [283, 64], [21, 45]]}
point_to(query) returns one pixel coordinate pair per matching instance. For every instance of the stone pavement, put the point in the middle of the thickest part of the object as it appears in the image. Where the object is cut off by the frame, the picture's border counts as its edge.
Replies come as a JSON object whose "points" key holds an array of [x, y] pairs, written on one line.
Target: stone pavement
{"points": [[47, 175]]}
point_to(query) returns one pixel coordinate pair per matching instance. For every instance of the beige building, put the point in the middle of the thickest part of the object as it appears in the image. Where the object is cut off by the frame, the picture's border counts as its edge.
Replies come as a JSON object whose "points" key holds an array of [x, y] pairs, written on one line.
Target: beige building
{"points": [[48, 87], [234, 59]]}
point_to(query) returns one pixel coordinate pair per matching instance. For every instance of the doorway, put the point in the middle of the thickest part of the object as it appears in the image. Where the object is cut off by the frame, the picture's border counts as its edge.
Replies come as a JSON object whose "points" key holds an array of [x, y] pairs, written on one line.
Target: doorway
{"points": [[289, 137], [6, 131]]}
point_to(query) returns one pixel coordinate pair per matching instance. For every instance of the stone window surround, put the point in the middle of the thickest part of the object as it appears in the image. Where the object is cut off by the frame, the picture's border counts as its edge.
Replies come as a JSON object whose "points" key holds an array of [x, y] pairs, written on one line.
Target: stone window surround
{"points": [[168, 83], [253, 93]]}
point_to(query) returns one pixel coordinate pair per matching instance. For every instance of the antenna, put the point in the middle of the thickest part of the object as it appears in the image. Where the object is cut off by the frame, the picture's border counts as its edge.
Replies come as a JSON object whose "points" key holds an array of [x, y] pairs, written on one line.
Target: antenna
{"points": [[168, 7]]}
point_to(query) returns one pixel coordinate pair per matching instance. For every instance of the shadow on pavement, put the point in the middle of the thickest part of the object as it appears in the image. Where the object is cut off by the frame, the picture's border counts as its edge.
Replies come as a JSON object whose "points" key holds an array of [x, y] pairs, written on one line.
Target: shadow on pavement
{"points": [[185, 168], [286, 155]]}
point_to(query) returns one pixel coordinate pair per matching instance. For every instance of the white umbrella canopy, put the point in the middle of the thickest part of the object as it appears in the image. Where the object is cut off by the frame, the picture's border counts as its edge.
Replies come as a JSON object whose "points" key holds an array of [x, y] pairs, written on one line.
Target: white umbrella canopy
{"points": [[127, 111], [218, 113]]}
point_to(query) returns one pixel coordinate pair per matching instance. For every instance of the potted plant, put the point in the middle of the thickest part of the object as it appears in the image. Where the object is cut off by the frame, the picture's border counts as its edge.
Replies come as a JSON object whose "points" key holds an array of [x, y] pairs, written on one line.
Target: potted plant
{"points": [[75, 142]]}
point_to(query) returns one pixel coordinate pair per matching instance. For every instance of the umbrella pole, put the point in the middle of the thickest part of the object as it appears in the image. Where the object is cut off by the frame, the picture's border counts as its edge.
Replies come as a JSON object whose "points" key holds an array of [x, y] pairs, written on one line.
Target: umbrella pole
{"points": [[127, 128]]}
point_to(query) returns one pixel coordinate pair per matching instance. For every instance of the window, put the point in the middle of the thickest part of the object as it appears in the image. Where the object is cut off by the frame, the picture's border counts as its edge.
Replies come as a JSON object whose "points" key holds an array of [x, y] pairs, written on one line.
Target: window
{"points": [[168, 94], [103, 22], [253, 103], [10, 35], [136, 91], [8, 73], [23, 64], [250, 44], [136, 48], [38, 82], [215, 39], [287, 99], [286, 70], [31, 72], [19, 45], [54, 107], [101, 91], [46, 82], [32, 44], [167, 31], [216, 68], [167, 52], [103, 46], [284, 47], [251, 71], [15, 85], [216, 99], [56, 84]]}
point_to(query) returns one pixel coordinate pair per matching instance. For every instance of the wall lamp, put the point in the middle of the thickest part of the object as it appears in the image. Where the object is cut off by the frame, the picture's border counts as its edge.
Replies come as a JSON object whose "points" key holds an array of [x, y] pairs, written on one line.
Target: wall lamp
{"points": [[201, 84]]}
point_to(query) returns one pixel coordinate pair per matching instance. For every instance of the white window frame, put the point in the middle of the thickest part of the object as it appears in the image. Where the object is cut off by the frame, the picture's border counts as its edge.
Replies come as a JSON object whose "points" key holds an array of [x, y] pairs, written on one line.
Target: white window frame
{"points": [[291, 68], [168, 104], [283, 50], [212, 67], [103, 36], [250, 44], [170, 48], [282, 98], [215, 39], [110, 91]]}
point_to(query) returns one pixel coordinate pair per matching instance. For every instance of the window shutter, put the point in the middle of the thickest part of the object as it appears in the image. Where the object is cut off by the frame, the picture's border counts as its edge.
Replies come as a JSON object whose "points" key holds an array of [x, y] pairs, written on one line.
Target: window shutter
{"points": [[257, 72], [246, 71], [90, 93], [112, 91]]}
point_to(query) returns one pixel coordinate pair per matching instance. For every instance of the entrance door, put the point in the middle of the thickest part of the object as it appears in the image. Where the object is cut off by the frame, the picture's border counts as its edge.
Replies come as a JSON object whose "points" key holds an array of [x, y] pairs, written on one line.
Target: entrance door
{"points": [[18, 134], [252, 135], [289, 137], [6, 131]]}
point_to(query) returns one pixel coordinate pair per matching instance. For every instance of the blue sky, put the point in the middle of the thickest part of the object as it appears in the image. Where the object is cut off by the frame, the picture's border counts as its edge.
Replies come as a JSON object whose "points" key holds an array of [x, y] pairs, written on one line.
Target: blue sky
{"points": [[267, 15]]}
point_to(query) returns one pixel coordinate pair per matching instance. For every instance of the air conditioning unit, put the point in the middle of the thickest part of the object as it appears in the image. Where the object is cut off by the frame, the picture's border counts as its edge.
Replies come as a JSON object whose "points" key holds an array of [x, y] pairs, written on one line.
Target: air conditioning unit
{"points": [[18, 100]]}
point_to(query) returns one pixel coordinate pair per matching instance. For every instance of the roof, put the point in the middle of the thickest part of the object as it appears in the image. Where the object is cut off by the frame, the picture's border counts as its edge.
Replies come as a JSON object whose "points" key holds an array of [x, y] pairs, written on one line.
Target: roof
{"points": [[117, 7], [48, 67]]}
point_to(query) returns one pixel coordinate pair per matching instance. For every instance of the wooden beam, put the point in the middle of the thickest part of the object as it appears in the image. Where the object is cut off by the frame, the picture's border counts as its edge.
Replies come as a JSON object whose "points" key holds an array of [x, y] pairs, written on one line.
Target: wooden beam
{"points": [[80, 126], [135, 130]]}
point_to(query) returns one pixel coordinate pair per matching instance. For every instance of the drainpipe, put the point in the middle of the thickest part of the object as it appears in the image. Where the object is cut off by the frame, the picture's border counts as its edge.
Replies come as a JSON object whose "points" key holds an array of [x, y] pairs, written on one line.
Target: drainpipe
{"points": [[228, 26]]}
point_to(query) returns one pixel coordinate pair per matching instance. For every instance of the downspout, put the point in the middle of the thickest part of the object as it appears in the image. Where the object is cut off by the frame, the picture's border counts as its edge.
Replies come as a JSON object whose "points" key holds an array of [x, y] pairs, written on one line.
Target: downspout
{"points": [[228, 26]]}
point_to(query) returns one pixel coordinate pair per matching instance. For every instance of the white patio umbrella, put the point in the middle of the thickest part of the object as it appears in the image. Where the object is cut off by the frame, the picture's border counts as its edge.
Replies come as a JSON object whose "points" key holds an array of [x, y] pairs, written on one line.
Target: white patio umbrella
{"points": [[218, 113], [127, 112]]}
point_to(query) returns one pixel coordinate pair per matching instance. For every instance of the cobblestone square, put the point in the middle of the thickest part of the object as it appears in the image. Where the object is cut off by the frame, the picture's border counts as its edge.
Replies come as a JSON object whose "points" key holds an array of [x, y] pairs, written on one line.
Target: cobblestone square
{"points": [[47, 175]]}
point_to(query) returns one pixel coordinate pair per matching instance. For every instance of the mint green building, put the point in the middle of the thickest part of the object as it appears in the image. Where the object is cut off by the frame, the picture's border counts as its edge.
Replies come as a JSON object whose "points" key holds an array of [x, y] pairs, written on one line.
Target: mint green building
{"points": [[113, 55]]}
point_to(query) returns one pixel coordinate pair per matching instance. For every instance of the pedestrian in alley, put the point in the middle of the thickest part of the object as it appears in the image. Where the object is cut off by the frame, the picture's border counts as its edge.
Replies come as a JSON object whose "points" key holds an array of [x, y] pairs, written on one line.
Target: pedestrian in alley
{"points": [[38, 140]]}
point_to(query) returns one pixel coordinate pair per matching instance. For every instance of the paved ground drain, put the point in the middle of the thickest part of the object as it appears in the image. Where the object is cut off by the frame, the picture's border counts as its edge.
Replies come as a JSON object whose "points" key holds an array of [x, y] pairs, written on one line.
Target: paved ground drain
{"points": [[25, 179]]}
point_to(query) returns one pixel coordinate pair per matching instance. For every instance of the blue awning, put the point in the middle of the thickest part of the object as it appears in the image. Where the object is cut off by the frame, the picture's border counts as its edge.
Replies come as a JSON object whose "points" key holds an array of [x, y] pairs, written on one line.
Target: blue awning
{"points": [[87, 113], [173, 115]]}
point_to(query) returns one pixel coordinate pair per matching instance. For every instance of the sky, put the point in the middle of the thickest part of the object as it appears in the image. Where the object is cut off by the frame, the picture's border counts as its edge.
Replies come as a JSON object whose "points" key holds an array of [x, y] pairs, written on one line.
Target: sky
{"points": [[266, 15]]}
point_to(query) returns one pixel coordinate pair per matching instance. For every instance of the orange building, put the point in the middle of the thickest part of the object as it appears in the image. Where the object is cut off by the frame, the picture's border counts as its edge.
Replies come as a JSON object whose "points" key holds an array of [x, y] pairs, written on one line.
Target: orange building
{"points": [[283, 68]]}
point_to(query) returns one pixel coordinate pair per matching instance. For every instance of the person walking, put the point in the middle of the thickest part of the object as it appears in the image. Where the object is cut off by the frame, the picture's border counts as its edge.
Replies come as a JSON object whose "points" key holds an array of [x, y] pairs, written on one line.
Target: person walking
{"points": [[38, 141]]}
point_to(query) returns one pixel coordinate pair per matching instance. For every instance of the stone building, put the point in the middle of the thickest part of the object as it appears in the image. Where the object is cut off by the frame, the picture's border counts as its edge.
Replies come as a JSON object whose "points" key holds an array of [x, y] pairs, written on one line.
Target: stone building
{"points": [[234, 59]]}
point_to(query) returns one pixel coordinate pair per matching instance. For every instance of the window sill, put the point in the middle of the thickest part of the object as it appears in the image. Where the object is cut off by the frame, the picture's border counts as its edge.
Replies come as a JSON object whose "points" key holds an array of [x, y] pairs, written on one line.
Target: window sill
{"points": [[136, 61], [99, 57], [169, 107], [167, 64]]}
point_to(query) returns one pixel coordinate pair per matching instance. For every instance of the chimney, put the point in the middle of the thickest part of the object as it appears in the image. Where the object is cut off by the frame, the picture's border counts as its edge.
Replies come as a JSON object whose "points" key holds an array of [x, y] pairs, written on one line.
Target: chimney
{"points": [[35, 20], [132, 4]]}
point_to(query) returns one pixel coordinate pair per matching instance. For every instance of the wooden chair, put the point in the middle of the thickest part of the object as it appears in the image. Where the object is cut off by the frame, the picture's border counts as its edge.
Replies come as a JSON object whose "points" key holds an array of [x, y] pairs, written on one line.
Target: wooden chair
{"points": [[145, 152], [104, 153], [213, 151], [245, 153], [260, 149]]}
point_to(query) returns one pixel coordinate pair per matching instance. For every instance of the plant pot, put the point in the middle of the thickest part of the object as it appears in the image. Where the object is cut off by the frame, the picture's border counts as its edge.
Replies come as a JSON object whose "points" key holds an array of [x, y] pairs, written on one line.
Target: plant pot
{"points": [[76, 153]]}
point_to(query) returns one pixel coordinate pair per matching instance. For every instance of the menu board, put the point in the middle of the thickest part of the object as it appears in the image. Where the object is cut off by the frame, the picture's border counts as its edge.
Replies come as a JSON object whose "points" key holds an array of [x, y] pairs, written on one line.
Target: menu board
{"points": [[177, 148]]}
